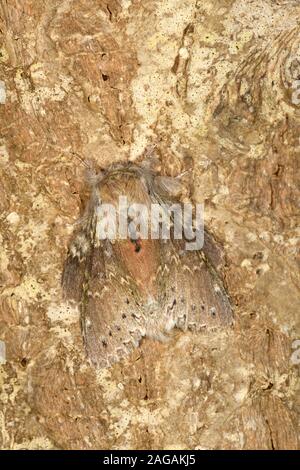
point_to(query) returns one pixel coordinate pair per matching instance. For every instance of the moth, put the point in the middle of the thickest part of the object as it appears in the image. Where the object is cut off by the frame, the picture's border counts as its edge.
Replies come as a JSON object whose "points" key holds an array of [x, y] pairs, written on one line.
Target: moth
{"points": [[136, 287]]}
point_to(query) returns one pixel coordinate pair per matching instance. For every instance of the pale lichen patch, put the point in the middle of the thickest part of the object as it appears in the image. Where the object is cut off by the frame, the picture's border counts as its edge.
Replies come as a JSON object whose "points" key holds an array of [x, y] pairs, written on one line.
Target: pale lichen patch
{"points": [[2, 92], [13, 218], [29, 290], [4, 155], [65, 313]]}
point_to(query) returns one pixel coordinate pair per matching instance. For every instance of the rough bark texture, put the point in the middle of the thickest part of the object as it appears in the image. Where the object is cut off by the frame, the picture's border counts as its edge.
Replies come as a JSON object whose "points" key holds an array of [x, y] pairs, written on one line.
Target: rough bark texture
{"points": [[205, 80]]}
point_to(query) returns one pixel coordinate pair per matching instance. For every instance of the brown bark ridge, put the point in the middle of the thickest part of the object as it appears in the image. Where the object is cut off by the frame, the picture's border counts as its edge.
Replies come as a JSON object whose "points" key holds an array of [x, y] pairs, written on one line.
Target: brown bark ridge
{"points": [[111, 80]]}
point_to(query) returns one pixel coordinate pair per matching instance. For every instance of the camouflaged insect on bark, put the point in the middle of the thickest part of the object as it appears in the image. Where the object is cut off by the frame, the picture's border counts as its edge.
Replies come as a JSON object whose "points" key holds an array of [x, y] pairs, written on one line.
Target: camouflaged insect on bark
{"points": [[129, 289]]}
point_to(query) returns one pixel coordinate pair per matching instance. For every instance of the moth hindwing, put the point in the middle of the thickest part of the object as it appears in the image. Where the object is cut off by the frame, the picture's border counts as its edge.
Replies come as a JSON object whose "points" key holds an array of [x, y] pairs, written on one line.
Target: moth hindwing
{"points": [[138, 286]]}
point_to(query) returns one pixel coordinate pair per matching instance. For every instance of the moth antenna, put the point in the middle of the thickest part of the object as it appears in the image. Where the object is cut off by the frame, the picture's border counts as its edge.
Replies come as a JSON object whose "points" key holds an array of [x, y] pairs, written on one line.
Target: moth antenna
{"points": [[91, 174], [149, 159], [84, 162]]}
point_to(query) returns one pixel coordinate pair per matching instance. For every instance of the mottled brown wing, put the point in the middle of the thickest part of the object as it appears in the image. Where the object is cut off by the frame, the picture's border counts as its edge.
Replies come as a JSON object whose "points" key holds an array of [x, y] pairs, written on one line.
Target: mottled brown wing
{"points": [[112, 317], [194, 296], [76, 265]]}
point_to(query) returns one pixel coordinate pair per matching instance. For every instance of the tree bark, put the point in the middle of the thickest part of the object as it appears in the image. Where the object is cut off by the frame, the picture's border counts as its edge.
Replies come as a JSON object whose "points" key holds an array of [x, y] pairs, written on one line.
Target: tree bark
{"points": [[101, 81]]}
